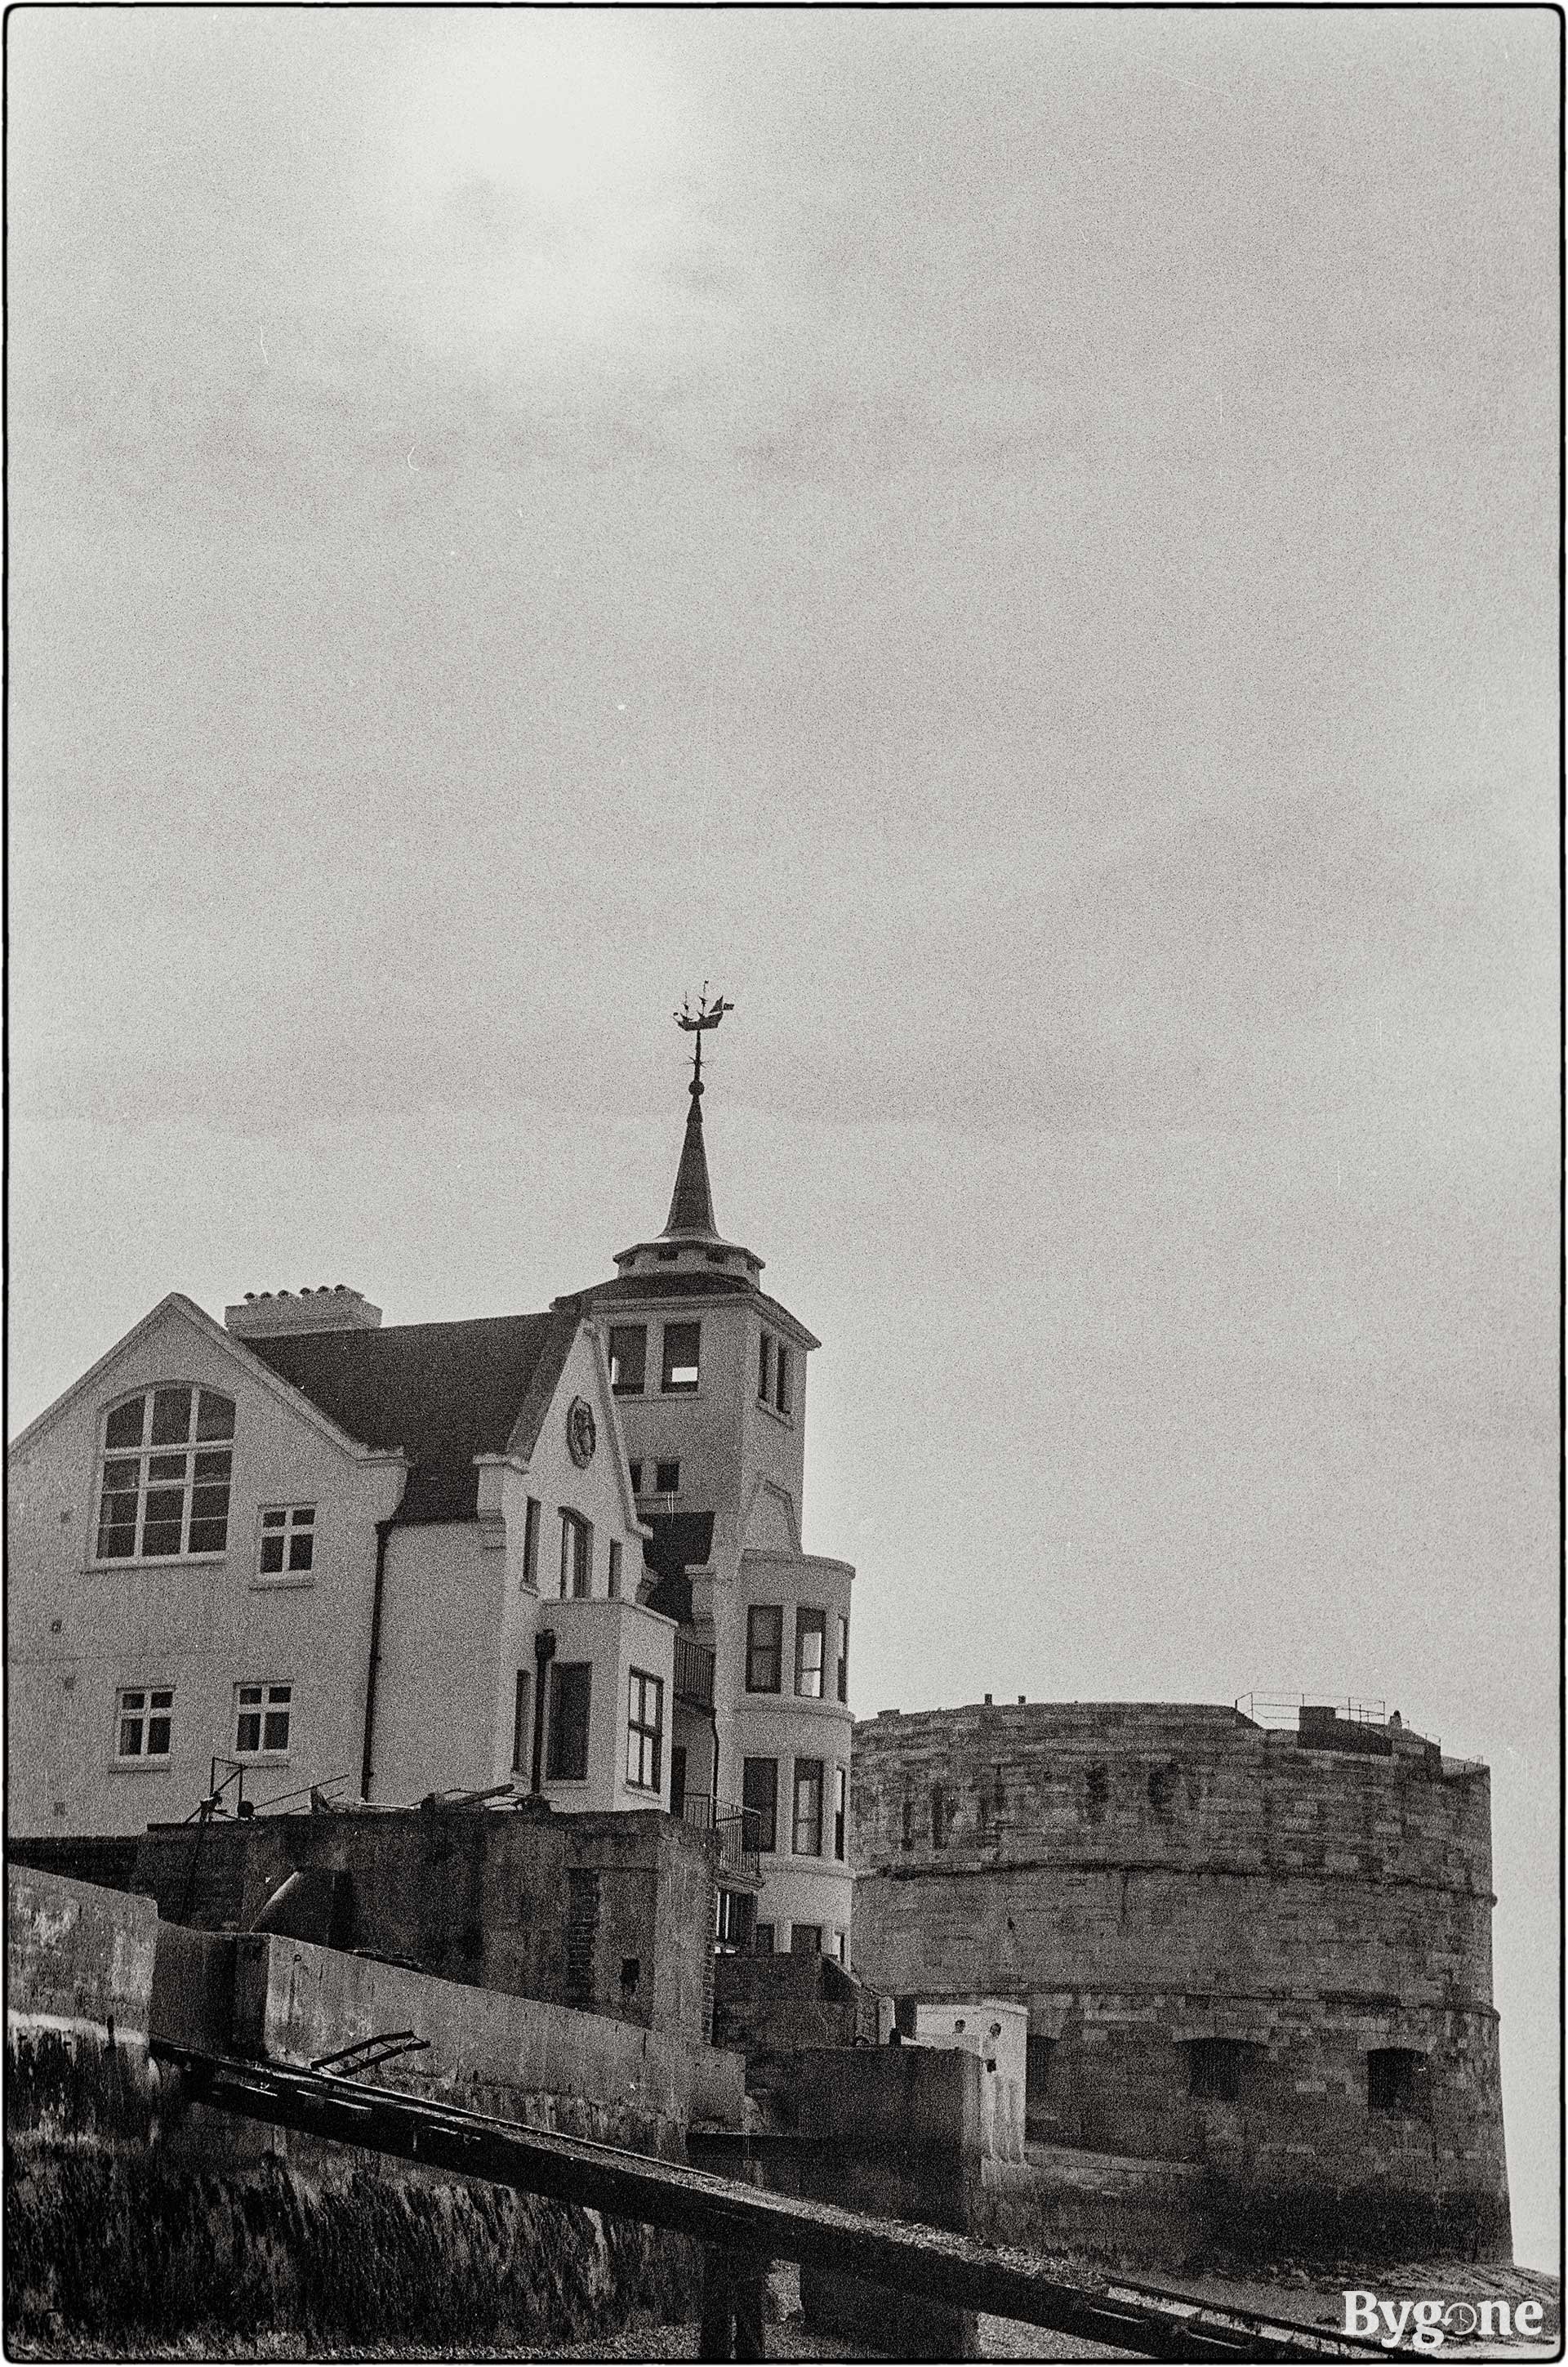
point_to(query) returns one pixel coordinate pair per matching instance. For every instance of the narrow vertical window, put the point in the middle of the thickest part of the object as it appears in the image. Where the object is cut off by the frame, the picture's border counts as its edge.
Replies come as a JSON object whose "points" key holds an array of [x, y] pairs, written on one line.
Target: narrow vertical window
{"points": [[576, 1557], [520, 1722], [531, 1542], [841, 1809], [764, 1368], [906, 1837], [940, 1824], [810, 1636], [645, 1730], [571, 1684], [765, 1648], [682, 1359], [808, 1836], [614, 1570], [760, 1792], [628, 1359], [842, 1672], [782, 1380]]}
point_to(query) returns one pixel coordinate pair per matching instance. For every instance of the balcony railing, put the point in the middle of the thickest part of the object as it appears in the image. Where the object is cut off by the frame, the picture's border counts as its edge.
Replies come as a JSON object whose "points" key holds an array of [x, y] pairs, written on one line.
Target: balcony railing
{"points": [[694, 1671], [739, 1831]]}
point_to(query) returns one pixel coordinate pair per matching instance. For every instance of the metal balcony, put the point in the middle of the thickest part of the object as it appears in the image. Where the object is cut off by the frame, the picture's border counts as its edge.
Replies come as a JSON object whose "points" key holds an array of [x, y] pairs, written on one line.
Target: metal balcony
{"points": [[739, 1834], [694, 1671]]}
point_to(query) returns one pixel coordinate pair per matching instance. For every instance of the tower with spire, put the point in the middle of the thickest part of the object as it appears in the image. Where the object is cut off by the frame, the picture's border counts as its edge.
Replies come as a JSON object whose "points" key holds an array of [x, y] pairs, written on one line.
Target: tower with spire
{"points": [[709, 1378]]}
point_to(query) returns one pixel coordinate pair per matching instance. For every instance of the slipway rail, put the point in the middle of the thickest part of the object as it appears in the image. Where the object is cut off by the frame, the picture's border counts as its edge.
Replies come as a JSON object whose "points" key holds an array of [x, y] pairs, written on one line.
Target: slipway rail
{"points": [[745, 2220]]}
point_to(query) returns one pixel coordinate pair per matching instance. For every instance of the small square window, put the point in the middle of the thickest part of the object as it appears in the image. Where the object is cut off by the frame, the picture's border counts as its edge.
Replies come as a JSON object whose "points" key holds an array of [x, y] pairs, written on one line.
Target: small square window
{"points": [[667, 1479], [144, 1721], [262, 1716], [1215, 2068], [1397, 2081], [288, 1538]]}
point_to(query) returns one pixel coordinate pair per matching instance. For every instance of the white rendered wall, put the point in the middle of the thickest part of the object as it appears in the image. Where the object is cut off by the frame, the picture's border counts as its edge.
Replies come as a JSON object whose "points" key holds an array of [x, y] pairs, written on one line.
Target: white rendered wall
{"points": [[80, 1631]]}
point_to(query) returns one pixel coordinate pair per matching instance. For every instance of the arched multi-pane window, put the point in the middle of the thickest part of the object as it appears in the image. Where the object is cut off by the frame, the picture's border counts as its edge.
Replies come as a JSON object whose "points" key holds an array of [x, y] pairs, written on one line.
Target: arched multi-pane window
{"points": [[168, 1455]]}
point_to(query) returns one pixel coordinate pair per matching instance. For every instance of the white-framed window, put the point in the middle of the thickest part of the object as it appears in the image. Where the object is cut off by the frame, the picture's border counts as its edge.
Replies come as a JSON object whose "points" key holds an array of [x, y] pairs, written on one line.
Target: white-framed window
{"points": [[144, 1718], [165, 1474], [288, 1539], [263, 1714], [645, 1730]]}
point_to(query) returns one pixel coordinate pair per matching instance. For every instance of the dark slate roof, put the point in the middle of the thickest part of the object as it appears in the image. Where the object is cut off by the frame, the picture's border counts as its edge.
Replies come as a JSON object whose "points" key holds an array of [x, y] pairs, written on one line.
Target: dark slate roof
{"points": [[680, 1541], [444, 1392], [691, 1205]]}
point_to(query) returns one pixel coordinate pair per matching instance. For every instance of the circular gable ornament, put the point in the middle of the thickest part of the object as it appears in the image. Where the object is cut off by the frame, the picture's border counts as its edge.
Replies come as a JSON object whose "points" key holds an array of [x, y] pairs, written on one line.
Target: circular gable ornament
{"points": [[581, 1434]]}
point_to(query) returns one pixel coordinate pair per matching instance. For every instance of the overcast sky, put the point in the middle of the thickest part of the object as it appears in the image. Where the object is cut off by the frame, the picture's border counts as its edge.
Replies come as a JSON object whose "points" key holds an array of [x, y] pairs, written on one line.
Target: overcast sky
{"points": [[1023, 547]]}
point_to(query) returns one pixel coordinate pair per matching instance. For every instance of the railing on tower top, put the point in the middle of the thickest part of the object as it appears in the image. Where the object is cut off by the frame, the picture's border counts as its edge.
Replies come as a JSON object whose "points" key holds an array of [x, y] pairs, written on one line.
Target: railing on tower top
{"points": [[694, 1671], [739, 1830], [1286, 1709]]}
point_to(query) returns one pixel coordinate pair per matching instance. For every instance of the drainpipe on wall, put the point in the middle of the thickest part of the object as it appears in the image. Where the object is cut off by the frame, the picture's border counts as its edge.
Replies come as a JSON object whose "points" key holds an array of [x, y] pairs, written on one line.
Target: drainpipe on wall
{"points": [[544, 1653], [383, 1530]]}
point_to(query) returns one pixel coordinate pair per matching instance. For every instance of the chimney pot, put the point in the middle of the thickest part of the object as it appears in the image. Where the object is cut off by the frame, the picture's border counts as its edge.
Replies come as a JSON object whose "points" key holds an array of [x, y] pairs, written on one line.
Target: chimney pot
{"points": [[270, 1315]]}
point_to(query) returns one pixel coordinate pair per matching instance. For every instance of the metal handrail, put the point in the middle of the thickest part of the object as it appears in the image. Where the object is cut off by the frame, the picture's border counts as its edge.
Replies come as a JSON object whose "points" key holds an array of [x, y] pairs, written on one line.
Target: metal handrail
{"points": [[1285, 1709]]}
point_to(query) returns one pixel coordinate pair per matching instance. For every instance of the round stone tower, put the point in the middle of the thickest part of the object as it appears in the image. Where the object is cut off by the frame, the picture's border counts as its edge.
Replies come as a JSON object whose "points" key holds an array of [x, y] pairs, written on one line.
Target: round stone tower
{"points": [[1268, 1952]]}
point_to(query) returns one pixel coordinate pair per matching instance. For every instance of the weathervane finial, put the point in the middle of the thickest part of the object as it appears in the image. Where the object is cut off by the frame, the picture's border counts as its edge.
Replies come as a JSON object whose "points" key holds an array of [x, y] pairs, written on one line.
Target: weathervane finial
{"points": [[696, 1023]]}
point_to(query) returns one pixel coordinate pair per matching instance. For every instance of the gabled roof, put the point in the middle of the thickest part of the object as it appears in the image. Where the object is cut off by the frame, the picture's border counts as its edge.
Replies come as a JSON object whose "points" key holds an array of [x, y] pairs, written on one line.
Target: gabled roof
{"points": [[444, 1392], [175, 1302]]}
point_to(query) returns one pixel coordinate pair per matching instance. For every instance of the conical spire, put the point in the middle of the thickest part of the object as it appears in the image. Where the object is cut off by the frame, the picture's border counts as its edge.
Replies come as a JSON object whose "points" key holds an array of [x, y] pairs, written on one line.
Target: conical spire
{"points": [[691, 1239], [691, 1205]]}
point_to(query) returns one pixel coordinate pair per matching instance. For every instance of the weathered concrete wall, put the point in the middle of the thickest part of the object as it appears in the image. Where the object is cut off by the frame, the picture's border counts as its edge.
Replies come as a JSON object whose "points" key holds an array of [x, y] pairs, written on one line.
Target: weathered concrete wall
{"points": [[79, 1971], [897, 2131], [294, 2002], [612, 1914], [127, 2214], [1143, 1876]]}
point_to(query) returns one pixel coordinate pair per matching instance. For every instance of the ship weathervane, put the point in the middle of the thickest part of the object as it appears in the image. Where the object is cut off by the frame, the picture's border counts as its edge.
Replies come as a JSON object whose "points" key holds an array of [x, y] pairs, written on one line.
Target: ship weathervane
{"points": [[696, 1023]]}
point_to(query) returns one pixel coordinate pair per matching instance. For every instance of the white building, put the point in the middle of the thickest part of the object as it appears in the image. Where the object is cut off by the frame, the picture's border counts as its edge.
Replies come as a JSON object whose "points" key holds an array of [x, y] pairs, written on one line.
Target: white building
{"points": [[303, 1548]]}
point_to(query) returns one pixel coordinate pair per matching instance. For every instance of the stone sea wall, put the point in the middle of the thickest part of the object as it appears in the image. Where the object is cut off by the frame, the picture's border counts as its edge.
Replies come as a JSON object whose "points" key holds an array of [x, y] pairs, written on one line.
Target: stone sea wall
{"points": [[133, 2217]]}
